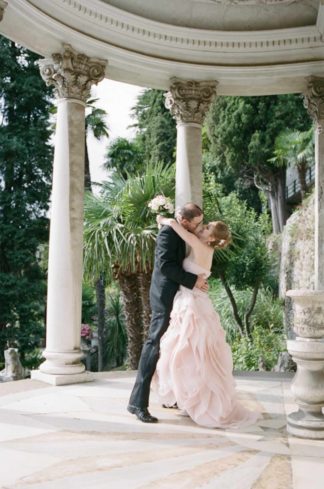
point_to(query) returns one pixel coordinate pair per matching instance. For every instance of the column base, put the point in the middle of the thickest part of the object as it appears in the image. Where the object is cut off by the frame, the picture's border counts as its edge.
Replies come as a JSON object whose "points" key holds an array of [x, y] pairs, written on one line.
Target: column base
{"points": [[57, 379], [62, 363], [306, 425]]}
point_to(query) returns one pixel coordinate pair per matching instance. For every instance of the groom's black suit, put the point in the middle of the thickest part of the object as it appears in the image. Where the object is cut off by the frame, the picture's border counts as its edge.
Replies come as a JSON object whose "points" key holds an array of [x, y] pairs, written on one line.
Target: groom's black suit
{"points": [[168, 274]]}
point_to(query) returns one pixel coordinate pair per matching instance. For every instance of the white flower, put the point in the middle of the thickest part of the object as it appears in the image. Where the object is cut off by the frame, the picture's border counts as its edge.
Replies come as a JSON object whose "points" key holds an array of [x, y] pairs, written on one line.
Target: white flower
{"points": [[169, 207], [161, 204]]}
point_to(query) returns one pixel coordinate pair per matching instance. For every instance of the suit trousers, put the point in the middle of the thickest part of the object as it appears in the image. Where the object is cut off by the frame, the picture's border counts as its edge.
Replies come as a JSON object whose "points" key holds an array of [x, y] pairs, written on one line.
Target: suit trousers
{"points": [[149, 358]]}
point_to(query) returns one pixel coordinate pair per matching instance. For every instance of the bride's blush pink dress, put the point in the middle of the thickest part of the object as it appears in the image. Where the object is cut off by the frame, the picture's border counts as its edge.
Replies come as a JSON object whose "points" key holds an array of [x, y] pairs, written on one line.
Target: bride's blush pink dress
{"points": [[195, 365]]}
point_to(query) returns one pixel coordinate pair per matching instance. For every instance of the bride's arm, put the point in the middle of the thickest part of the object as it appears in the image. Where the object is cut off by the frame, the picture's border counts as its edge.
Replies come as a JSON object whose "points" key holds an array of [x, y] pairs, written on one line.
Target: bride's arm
{"points": [[188, 237]]}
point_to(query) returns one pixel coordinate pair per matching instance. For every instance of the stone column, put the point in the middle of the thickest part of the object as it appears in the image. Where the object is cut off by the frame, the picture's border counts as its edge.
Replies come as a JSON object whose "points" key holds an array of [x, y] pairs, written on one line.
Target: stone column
{"points": [[72, 74], [3, 5], [188, 102], [308, 348]]}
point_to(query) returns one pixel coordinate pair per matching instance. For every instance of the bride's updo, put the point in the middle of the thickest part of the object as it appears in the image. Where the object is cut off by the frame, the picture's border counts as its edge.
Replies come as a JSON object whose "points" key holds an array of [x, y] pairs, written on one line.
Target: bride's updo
{"points": [[220, 234]]}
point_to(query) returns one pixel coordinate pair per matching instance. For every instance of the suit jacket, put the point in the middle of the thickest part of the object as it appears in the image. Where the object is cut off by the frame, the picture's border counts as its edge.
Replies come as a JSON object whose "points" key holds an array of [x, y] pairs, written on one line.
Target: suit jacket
{"points": [[168, 273]]}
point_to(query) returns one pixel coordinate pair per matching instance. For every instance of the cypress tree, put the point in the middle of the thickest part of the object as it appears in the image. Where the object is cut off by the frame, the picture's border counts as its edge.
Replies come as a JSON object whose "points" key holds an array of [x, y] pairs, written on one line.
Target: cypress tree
{"points": [[156, 128], [25, 183]]}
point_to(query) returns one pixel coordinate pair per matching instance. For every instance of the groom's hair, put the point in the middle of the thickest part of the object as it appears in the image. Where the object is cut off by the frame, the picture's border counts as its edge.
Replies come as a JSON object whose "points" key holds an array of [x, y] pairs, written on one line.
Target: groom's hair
{"points": [[189, 211]]}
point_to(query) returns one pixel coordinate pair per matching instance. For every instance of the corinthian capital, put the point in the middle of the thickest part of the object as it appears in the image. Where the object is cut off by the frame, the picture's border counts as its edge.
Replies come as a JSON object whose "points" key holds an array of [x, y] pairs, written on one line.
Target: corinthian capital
{"points": [[3, 5], [314, 99], [188, 100], [72, 73]]}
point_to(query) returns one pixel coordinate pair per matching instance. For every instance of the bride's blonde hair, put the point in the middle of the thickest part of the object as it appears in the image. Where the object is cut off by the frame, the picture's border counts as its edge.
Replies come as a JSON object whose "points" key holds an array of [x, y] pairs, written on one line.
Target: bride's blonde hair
{"points": [[220, 234]]}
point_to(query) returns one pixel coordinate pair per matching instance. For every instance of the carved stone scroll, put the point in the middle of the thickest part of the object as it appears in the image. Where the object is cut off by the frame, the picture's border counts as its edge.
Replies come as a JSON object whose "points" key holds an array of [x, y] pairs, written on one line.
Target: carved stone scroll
{"points": [[72, 73], [189, 100], [314, 100]]}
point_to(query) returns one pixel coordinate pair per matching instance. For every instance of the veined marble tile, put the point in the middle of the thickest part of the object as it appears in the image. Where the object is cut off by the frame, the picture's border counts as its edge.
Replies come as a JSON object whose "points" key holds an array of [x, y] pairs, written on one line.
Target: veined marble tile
{"points": [[11, 430], [142, 469], [13, 397], [242, 476], [16, 464], [53, 402]]}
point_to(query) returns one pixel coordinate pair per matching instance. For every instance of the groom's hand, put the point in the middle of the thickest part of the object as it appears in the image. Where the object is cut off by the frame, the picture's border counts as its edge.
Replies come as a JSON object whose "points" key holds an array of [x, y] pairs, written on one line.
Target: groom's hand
{"points": [[202, 283]]}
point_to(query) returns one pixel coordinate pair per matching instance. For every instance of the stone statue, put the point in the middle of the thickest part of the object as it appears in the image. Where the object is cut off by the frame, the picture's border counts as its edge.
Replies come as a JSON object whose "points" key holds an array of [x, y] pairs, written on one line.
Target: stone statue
{"points": [[13, 368], [285, 363]]}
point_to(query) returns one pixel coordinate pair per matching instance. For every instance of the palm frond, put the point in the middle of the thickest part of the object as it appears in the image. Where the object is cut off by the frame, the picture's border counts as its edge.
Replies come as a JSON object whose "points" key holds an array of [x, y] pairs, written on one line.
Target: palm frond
{"points": [[119, 229]]}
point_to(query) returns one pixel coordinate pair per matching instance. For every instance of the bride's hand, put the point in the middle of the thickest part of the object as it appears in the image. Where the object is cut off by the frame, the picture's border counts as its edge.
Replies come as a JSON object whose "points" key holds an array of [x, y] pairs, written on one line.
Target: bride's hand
{"points": [[202, 283]]}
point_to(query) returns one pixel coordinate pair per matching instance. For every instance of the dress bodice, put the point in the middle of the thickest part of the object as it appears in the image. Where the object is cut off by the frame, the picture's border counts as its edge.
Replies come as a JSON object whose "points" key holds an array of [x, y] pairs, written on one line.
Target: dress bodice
{"points": [[190, 266]]}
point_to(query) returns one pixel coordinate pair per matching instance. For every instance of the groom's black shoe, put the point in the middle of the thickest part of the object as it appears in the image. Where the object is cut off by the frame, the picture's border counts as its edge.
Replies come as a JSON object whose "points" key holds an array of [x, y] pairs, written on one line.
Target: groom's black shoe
{"points": [[142, 414]]}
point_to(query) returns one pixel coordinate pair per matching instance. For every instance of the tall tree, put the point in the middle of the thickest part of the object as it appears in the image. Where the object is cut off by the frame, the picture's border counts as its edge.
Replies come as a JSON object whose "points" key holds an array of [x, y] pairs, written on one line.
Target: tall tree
{"points": [[243, 131], [95, 123], [25, 182], [125, 157], [156, 129]]}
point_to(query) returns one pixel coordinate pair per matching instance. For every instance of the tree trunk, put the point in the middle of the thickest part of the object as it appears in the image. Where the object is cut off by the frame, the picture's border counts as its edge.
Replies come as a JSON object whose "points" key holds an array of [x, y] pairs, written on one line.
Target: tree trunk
{"points": [[87, 176], [250, 310], [277, 200], [268, 183], [238, 320], [145, 283], [101, 305], [302, 169], [281, 197], [131, 298], [274, 213]]}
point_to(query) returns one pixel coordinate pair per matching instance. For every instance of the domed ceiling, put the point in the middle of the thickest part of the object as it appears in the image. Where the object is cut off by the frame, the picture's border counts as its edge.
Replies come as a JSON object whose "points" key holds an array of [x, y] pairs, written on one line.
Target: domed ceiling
{"points": [[248, 46], [224, 15]]}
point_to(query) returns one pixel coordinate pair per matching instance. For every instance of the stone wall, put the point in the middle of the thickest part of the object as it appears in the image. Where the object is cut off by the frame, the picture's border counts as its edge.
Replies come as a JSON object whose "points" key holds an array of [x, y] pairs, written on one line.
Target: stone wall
{"points": [[296, 264]]}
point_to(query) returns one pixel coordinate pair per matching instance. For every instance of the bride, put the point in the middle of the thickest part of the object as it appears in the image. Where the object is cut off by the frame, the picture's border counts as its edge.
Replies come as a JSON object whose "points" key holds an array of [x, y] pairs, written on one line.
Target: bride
{"points": [[195, 365]]}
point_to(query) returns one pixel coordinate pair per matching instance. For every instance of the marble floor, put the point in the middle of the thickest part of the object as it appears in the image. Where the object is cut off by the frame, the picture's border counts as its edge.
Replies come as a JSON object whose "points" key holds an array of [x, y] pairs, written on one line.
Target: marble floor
{"points": [[81, 437]]}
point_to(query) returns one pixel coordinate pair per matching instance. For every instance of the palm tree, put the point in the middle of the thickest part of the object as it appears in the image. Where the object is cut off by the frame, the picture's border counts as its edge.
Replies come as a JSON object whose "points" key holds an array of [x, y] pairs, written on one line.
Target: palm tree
{"points": [[297, 149], [124, 156], [95, 123], [137, 193], [120, 237], [116, 334], [107, 243]]}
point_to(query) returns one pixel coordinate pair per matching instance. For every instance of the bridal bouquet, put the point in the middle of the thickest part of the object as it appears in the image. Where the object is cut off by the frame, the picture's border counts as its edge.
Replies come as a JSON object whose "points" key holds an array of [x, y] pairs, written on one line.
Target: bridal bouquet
{"points": [[161, 205]]}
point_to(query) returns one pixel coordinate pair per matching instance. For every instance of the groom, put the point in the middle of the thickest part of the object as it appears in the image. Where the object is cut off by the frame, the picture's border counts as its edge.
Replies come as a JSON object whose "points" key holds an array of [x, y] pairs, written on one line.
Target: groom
{"points": [[168, 275]]}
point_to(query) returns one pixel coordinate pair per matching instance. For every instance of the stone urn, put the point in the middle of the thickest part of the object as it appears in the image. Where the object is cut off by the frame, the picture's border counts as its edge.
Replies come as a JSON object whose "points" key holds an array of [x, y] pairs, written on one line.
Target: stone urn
{"points": [[308, 312]]}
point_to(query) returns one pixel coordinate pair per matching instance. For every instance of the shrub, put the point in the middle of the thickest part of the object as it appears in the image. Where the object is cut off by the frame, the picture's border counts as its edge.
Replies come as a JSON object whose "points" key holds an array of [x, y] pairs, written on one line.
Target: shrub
{"points": [[267, 340], [259, 353]]}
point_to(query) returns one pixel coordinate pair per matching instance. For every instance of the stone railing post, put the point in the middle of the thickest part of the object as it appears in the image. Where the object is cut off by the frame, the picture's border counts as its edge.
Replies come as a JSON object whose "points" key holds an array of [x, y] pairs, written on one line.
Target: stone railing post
{"points": [[308, 348], [188, 102], [72, 74]]}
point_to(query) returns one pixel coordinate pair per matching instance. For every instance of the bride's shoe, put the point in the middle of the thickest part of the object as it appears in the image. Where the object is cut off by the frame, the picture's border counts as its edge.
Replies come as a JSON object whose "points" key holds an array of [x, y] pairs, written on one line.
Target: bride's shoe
{"points": [[173, 406]]}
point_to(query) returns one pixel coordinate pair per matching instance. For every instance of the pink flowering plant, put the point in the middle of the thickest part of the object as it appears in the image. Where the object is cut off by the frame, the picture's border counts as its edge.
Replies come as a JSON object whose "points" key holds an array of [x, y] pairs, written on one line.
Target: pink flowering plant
{"points": [[86, 332], [161, 205]]}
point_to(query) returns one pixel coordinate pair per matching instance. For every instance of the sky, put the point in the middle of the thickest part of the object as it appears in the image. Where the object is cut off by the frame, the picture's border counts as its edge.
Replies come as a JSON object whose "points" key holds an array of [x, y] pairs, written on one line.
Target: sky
{"points": [[117, 99]]}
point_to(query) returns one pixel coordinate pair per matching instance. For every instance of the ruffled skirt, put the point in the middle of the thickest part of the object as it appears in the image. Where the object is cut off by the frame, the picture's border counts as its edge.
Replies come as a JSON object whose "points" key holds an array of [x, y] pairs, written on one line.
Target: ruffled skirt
{"points": [[195, 365]]}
